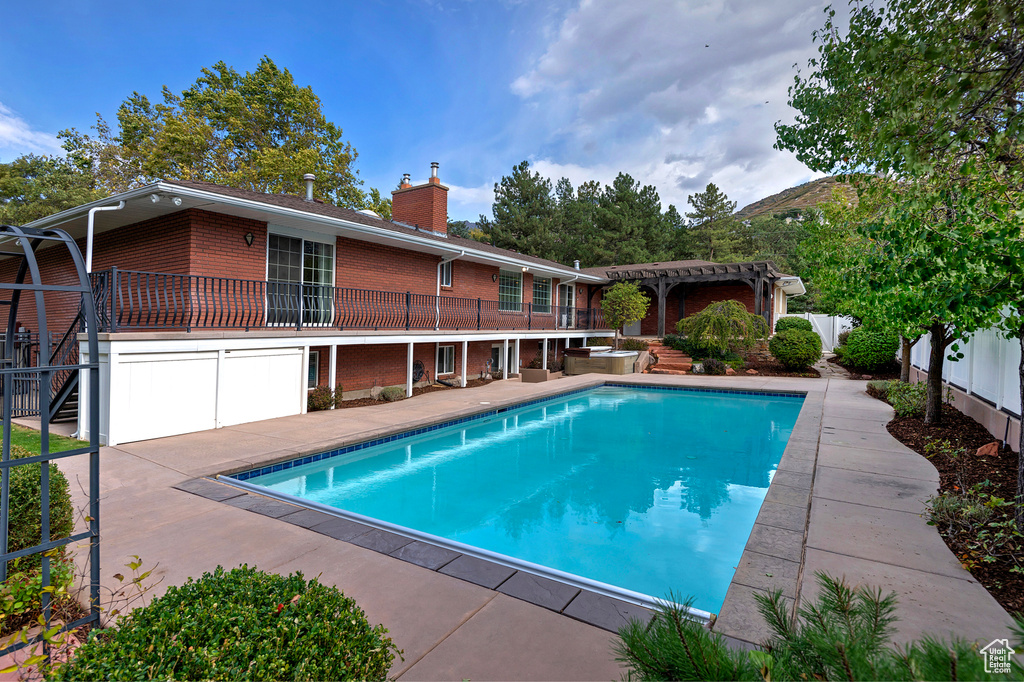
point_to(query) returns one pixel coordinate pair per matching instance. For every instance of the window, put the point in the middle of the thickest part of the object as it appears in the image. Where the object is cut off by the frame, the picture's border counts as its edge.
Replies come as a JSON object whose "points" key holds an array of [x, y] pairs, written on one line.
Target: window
{"points": [[445, 360], [446, 274], [510, 291], [313, 371], [541, 295], [300, 275]]}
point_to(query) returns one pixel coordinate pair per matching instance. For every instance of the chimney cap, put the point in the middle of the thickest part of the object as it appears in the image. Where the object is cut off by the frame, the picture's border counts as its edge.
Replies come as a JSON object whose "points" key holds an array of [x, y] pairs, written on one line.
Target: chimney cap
{"points": [[309, 176]]}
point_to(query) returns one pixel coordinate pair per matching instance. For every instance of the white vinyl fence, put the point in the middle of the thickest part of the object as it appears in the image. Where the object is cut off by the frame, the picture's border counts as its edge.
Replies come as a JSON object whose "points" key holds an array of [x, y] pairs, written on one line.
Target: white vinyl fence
{"points": [[829, 327], [989, 369]]}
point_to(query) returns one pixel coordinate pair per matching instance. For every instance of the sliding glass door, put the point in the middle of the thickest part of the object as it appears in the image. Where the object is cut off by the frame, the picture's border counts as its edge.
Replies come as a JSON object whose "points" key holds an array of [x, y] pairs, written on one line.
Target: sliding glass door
{"points": [[300, 280]]}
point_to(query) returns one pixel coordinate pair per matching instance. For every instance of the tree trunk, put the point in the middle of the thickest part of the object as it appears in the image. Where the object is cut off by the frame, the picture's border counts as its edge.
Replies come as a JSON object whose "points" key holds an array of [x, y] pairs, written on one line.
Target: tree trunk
{"points": [[933, 404], [1019, 511], [906, 344]]}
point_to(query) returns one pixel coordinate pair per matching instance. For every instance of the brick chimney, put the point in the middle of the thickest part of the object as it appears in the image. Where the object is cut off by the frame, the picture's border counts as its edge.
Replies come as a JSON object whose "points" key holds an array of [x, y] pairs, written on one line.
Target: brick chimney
{"points": [[423, 206]]}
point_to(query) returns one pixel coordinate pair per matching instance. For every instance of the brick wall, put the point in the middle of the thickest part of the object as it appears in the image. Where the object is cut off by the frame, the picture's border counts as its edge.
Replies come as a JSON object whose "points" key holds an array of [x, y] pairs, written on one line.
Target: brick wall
{"points": [[217, 246], [157, 245]]}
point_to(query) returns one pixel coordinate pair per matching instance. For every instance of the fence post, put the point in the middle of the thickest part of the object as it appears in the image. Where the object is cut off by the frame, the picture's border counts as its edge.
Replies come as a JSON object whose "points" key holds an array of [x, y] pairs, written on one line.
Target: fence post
{"points": [[114, 288], [408, 305]]}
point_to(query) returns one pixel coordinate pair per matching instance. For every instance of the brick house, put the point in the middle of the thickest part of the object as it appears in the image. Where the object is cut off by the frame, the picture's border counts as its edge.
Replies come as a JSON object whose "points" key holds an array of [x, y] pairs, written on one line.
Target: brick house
{"points": [[220, 306]]}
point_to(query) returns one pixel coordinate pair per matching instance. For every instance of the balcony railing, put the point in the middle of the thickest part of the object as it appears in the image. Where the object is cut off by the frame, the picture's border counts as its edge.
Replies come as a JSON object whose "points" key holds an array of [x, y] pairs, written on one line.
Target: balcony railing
{"points": [[128, 299]]}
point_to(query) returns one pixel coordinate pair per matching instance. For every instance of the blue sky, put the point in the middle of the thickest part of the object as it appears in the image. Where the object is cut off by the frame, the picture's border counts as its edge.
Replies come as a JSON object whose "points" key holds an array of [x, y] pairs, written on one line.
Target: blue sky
{"points": [[676, 93]]}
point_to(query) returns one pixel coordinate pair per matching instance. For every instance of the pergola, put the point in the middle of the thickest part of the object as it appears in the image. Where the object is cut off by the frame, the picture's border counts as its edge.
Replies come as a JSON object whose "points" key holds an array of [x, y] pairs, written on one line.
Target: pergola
{"points": [[663, 277]]}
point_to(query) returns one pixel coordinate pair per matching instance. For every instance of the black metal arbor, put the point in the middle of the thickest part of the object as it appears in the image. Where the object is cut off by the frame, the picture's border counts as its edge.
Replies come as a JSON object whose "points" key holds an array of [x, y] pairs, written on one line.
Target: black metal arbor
{"points": [[19, 245]]}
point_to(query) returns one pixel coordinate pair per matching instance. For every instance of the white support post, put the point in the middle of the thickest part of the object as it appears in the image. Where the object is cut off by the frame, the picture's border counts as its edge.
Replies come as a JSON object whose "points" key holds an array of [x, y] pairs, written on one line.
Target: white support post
{"points": [[504, 360], [113, 374], [544, 355], [332, 372], [408, 372], [515, 368], [218, 400], [465, 359], [304, 391]]}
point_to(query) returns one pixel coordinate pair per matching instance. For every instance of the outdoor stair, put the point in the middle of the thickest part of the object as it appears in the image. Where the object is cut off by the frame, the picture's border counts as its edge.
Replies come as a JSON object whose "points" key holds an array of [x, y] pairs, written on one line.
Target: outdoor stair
{"points": [[670, 361], [69, 410]]}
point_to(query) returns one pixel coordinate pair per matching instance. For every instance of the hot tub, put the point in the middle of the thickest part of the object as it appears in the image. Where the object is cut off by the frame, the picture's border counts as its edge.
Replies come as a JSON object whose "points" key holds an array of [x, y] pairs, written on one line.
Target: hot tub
{"points": [[602, 362]]}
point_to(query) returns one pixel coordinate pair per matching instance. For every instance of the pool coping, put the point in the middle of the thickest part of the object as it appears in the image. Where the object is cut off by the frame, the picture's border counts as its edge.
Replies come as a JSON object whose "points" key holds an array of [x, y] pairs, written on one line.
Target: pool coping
{"points": [[782, 520]]}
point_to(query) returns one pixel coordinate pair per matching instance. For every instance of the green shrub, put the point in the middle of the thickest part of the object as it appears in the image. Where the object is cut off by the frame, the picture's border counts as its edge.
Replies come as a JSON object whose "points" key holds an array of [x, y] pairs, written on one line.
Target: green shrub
{"points": [[844, 635], [843, 336], [25, 525], [870, 350], [713, 366], [796, 348], [634, 344], [908, 400], [21, 593], [724, 326], [694, 350], [390, 394], [554, 364], [242, 624], [785, 323], [322, 398], [878, 389]]}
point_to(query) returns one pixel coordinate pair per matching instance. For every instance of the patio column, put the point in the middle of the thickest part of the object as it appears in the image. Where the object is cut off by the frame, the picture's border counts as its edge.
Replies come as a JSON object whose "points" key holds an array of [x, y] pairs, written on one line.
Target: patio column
{"points": [[303, 392], [408, 372], [544, 355], [332, 372], [504, 359], [516, 358], [465, 359], [661, 306]]}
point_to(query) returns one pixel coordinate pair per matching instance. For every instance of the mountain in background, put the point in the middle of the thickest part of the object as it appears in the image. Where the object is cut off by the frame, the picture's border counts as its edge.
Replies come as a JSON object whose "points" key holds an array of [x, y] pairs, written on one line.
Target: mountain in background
{"points": [[796, 200]]}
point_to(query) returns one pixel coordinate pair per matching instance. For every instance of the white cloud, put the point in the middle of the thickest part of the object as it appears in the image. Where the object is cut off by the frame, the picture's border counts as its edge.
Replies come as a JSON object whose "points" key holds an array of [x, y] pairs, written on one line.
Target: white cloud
{"points": [[677, 94], [466, 203], [17, 137]]}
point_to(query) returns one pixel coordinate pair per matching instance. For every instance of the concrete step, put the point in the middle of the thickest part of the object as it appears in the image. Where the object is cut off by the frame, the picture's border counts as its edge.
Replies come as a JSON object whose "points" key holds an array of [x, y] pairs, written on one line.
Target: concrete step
{"points": [[679, 366]]}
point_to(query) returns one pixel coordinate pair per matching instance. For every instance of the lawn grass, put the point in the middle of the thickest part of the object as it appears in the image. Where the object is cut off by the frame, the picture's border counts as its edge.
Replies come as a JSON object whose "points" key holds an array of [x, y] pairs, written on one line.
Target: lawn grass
{"points": [[31, 440]]}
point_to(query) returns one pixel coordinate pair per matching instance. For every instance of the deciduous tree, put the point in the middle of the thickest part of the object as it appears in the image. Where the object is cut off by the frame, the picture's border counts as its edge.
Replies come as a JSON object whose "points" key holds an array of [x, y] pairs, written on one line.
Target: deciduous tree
{"points": [[624, 304]]}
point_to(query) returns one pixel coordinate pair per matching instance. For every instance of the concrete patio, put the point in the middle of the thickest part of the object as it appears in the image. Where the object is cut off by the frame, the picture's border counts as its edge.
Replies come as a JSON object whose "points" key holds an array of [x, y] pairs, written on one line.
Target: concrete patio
{"points": [[849, 502]]}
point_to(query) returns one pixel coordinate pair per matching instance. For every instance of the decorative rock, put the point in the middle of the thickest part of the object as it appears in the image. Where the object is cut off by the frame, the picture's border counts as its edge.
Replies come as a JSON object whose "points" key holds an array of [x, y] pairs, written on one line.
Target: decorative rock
{"points": [[989, 450], [730, 371], [375, 392], [751, 371]]}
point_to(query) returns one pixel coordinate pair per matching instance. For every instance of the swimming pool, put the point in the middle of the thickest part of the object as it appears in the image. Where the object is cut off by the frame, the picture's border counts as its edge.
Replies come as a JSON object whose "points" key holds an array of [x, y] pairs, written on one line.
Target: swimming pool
{"points": [[644, 489]]}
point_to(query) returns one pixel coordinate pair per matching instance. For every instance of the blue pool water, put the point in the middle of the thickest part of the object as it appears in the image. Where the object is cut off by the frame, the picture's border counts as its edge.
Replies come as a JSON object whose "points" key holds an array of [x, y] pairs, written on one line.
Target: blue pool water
{"points": [[647, 490]]}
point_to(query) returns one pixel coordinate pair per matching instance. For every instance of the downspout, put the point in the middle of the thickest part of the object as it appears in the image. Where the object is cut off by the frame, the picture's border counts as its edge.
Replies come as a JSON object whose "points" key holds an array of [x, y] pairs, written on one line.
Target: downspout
{"points": [[437, 298], [88, 237]]}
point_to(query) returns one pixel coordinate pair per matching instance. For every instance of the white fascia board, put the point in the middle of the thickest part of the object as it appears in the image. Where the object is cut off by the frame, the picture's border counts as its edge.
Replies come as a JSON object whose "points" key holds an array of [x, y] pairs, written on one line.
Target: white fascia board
{"points": [[359, 228], [791, 286], [256, 343]]}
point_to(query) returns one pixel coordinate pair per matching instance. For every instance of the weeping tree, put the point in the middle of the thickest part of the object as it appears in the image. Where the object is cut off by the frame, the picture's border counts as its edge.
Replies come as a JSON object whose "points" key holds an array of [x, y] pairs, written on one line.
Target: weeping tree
{"points": [[724, 326], [624, 304]]}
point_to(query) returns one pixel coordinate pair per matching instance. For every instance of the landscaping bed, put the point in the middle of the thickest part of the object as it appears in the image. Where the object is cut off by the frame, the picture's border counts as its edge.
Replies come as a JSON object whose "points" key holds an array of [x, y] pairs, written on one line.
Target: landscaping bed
{"points": [[773, 368], [960, 472], [363, 402]]}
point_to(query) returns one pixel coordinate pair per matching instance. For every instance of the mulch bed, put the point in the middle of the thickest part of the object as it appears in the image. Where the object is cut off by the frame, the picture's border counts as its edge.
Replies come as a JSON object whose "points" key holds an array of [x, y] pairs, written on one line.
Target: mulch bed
{"points": [[890, 371], [960, 473], [363, 402], [776, 369]]}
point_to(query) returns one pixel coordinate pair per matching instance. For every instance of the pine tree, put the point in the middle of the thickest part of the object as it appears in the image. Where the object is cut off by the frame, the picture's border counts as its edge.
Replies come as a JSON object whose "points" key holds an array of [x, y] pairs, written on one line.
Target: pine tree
{"points": [[525, 214], [712, 229]]}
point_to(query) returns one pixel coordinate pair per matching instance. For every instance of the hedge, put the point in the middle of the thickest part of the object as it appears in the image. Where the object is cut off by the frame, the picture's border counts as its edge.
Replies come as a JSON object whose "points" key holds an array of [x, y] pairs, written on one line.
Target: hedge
{"points": [[796, 348], [870, 350], [785, 323], [242, 624]]}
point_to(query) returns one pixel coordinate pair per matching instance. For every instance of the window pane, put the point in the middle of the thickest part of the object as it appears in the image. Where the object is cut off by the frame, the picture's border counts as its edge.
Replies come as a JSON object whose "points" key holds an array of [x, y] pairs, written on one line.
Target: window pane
{"points": [[510, 291], [541, 295]]}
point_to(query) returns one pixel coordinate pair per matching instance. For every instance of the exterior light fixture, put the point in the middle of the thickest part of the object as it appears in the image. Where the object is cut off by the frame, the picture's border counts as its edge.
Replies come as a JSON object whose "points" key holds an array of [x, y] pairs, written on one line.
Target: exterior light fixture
{"points": [[248, 238], [526, 269], [155, 198], [494, 277], [176, 201]]}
